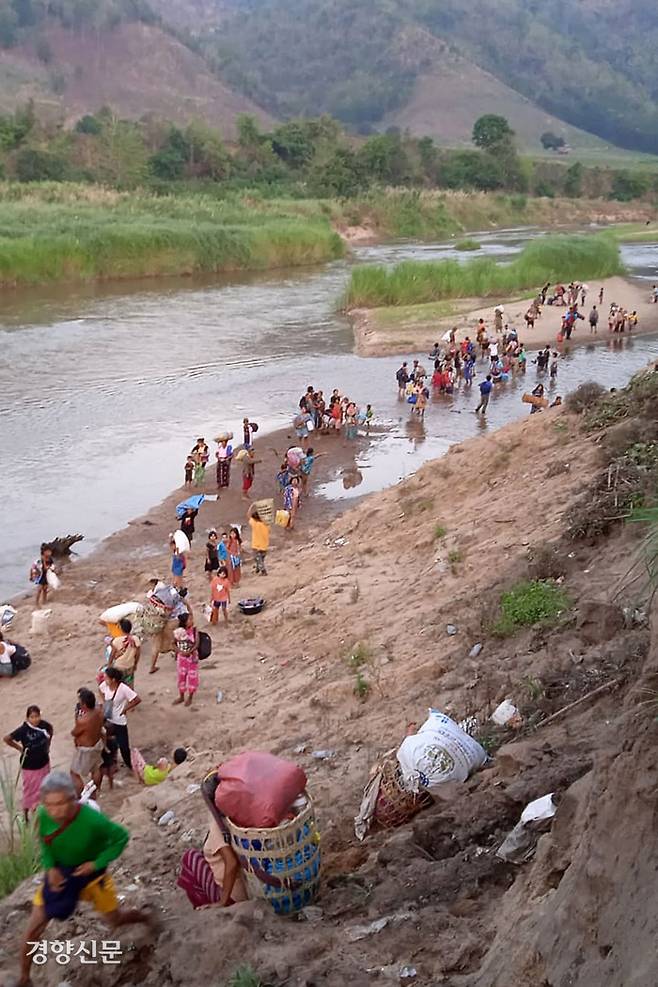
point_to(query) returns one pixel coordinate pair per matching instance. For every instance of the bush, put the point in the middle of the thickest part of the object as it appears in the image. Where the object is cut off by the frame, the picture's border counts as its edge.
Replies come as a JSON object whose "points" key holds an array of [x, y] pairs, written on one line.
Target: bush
{"points": [[20, 856], [467, 244], [529, 603], [33, 165], [584, 397]]}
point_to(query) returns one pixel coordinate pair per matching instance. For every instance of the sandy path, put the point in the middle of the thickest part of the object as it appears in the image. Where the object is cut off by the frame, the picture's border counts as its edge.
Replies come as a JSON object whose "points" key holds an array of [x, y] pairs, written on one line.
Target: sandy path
{"points": [[375, 338]]}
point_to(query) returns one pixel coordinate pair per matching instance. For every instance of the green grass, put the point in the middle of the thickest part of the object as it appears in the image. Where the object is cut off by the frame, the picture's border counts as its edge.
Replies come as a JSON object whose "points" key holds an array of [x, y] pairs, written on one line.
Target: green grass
{"points": [[635, 233], [245, 976], [467, 244], [19, 857], [530, 602], [440, 531], [455, 556], [395, 317], [53, 232], [547, 258]]}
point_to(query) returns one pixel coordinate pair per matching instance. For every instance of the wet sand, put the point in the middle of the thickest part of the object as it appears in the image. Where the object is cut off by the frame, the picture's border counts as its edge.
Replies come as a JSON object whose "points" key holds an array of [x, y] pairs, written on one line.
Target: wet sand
{"points": [[378, 333]]}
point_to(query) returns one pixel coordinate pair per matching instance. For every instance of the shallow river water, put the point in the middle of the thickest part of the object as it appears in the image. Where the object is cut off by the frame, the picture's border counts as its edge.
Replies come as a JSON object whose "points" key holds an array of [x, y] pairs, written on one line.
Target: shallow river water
{"points": [[103, 388]]}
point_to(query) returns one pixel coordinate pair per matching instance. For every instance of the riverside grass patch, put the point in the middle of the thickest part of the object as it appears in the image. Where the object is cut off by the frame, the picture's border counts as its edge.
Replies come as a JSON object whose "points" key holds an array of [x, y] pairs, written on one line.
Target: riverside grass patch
{"points": [[547, 258], [69, 233], [530, 602]]}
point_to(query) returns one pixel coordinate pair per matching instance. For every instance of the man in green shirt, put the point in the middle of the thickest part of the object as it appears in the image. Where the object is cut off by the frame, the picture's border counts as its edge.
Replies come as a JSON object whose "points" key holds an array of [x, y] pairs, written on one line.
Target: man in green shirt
{"points": [[77, 843]]}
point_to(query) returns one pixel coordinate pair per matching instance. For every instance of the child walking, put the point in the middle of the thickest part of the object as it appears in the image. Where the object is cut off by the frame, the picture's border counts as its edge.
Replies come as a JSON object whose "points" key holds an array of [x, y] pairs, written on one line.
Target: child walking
{"points": [[220, 595]]}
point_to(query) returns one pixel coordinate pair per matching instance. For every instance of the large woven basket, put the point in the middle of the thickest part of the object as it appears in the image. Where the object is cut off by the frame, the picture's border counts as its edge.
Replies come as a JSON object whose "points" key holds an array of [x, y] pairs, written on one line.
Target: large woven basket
{"points": [[395, 806], [281, 865]]}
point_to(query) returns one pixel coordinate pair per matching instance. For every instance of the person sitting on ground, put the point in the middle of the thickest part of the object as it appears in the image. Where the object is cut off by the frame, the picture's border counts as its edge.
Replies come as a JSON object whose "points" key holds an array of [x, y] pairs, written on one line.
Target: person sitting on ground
{"points": [[155, 774], [212, 877], [77, 844]]}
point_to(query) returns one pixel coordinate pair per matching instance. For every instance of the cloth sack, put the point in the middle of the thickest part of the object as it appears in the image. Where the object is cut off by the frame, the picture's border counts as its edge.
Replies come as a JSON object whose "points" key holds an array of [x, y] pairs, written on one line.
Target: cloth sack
{"points": [[257, 789], [441, 751]]}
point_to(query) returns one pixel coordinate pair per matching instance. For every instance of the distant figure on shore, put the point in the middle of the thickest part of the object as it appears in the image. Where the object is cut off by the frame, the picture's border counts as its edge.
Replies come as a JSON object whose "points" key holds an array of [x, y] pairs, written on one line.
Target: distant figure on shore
{"points": [[39, 573]]}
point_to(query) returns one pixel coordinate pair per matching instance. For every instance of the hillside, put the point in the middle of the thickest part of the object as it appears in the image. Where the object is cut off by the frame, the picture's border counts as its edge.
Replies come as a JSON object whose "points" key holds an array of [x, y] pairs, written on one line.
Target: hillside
{"points": [[135, 67], [591, 64]]}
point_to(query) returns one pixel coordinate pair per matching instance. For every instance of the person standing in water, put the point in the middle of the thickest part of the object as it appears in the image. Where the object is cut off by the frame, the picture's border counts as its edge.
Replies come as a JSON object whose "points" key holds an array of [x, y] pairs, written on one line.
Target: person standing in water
{"points": [[485, 395], [594, 319]]}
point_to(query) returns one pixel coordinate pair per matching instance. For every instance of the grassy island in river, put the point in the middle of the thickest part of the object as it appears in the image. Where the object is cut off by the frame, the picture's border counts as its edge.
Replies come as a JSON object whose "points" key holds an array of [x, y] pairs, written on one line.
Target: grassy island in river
{"points": [[547, 258]]}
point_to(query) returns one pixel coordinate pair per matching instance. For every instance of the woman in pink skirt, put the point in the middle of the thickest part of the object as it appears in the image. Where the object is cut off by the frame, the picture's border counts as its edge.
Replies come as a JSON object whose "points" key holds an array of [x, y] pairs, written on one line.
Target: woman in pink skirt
{"points": [[186, 639], [32, 741]]}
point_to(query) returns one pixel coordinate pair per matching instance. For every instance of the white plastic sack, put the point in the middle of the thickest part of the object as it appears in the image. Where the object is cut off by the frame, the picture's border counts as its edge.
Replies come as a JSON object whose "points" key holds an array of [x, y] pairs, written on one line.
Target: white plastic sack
{"points": [[53, 579], [539, 810], [40, 619], [182, 542], [441, 751], [114, 614]]}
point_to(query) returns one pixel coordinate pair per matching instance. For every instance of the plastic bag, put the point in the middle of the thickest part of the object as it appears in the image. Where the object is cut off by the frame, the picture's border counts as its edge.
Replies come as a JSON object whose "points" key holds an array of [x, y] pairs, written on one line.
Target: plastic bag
{"points": [[441, 751], [53, 579], [257, 789]]}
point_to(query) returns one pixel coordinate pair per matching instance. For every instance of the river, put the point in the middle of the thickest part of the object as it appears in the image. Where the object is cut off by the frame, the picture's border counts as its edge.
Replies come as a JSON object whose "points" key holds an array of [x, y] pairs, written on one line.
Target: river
{"points": [[103, 388]]}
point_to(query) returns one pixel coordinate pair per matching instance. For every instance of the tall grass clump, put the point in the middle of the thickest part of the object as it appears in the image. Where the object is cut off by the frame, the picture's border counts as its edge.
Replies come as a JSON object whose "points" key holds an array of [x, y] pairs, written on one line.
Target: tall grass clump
{"points": [[548, 258], [75, 233], [19, 848]]}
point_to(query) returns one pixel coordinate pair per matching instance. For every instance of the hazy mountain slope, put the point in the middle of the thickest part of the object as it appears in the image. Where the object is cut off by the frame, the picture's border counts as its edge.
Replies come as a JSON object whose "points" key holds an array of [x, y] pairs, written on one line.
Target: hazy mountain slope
{"points": [[136, 68], [592, 63]]}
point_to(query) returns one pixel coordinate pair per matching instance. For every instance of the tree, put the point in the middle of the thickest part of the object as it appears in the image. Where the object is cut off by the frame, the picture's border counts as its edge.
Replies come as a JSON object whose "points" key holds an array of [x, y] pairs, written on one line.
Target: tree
{"points": [[33, 165], [208, 155], [490, 131], [550, 141], [384, 158], [89, 124], [573, 182], [341, 175], [292, 143], [627, 186]]}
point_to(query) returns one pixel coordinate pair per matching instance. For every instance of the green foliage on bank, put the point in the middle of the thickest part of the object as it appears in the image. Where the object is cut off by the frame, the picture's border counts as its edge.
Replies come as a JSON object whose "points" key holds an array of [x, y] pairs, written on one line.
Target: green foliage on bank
{"points": [[57, 232], [547, 258], [530, 602]]}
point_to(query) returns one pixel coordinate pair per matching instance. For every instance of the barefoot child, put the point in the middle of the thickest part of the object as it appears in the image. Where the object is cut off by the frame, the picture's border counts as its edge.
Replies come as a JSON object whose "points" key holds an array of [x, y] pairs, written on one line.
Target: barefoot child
{"points": [[189, 470], [235, 555], [220, 595]]}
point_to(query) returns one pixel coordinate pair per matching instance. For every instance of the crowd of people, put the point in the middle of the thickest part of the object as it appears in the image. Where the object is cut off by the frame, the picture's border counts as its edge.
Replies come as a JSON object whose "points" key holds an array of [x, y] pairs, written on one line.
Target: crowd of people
{"points": [[77, 841], [456, 363]]}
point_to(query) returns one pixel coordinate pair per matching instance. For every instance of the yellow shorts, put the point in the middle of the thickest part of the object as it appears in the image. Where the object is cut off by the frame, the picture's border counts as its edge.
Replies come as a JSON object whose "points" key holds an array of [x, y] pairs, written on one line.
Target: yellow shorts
{"points": [[100, 892]]}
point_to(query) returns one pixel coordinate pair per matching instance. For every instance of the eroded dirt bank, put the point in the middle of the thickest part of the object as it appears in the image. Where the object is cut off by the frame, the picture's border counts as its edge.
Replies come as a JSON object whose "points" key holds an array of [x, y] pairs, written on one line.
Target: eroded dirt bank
{"points": [[531, 501]]}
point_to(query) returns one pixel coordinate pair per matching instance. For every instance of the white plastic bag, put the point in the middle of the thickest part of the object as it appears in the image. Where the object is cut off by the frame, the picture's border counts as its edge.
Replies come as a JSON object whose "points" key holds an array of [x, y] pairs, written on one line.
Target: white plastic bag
{"points": [[441, 751], [52, 579], [39, 621], [114, 614], [182, 542]]}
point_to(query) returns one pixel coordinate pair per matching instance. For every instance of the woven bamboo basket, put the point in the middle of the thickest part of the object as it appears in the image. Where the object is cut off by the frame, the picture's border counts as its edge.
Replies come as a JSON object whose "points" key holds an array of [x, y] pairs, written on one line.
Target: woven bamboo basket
{"points": [[282, 865], [395, 806]]}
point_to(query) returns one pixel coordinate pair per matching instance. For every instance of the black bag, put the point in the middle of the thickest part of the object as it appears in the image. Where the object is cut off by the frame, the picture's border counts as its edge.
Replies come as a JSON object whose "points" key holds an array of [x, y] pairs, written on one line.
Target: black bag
{"points": [[204, 648], [21, 659]]}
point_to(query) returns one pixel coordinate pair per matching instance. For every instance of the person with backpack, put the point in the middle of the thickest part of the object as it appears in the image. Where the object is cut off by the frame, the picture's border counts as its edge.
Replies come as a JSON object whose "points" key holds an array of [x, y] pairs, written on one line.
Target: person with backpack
{"points": [[186, 638], [32, 741]]}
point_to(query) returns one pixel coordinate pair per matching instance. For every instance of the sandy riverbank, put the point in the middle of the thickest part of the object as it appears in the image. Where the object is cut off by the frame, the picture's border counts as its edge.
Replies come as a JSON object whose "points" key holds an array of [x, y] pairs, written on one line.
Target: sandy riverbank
{"points": [[415, 328], [379, 574]]}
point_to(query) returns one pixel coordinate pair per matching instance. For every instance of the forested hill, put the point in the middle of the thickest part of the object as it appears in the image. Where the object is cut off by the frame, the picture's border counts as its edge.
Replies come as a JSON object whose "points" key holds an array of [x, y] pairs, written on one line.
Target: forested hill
{"points": [[593, 63]]}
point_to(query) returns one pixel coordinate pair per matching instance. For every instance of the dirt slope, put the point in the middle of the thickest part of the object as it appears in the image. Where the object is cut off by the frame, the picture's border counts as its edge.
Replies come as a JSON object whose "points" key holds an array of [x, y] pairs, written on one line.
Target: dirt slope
{"points": [[583, 912], [135, 68]]}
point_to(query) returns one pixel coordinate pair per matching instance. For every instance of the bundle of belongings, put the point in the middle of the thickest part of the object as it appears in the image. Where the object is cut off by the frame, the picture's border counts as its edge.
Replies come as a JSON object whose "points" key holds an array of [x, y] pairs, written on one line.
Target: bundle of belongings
{"points": [[401, 784], [263, 818]]}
